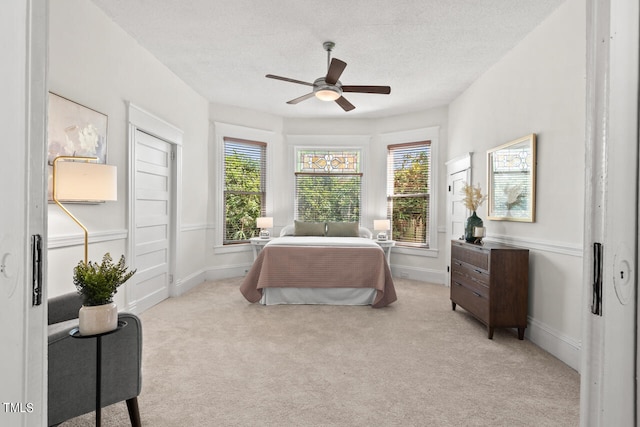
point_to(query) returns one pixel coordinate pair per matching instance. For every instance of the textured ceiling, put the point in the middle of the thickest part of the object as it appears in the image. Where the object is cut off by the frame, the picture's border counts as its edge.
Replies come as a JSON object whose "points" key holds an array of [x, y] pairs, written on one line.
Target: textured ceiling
{"points": [[428, 51]]}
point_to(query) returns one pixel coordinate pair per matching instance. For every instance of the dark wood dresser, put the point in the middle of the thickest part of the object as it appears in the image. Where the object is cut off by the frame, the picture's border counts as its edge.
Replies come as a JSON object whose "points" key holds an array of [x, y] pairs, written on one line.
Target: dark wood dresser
{"points": [[491, 281]]}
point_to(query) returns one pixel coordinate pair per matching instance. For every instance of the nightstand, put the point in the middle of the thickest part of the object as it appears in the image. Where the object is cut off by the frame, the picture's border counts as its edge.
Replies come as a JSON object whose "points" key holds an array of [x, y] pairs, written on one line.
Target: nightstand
{"points": [[386, 246], [257, 243]]}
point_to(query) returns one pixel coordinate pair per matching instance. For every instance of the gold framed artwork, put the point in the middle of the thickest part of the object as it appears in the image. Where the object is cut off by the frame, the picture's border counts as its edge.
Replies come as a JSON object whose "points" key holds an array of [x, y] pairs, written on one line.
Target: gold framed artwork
{"points": [[511, 178], [74, 130]]}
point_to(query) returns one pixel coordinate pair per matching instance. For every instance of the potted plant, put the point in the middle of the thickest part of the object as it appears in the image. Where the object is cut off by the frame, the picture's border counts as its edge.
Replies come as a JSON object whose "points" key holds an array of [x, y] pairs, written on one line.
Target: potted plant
{"points": [[98, 283]]}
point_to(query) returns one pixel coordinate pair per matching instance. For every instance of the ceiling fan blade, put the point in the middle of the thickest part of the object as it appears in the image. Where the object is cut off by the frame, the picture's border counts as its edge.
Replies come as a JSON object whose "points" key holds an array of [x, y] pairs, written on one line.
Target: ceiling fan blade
{"points": [[286, 79], [335, 70], [385, 90], [346, 105], [300, 98]]}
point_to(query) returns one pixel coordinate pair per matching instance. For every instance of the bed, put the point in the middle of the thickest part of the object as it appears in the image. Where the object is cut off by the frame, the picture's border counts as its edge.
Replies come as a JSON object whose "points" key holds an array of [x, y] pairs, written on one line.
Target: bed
{"points": [[333, 268]]}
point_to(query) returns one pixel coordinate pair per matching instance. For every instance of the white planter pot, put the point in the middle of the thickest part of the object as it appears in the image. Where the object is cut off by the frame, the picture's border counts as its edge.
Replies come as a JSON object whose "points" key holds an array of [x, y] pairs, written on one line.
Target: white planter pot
{"points": [[98, 319]]}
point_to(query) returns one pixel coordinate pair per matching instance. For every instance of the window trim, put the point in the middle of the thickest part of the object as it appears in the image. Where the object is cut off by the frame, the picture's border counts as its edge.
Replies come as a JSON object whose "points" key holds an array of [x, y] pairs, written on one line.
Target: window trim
{"points": [[426, 195], [361, 156], [219, 131], [263, 185], [419, 135]]}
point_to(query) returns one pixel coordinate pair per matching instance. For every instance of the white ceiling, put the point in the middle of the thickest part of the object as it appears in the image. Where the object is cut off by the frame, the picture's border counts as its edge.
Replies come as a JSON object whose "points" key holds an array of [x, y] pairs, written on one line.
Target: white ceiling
{"points": [[428, 51]]}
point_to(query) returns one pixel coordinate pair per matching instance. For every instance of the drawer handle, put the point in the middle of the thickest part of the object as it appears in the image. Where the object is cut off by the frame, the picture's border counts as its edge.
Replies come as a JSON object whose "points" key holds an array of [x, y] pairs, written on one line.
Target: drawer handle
{"points": [[477, 271], [476, 294]]}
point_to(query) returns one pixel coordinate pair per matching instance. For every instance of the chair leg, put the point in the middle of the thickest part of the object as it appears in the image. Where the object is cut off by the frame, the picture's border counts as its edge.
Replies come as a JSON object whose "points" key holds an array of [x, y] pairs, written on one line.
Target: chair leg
{"points": [[134, 412]]}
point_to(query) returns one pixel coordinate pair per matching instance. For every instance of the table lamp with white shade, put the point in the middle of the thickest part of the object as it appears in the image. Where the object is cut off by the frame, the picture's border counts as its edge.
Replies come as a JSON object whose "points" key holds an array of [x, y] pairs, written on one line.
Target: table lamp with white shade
{"points": [[382, 226], [78, 179], [264, 223]]}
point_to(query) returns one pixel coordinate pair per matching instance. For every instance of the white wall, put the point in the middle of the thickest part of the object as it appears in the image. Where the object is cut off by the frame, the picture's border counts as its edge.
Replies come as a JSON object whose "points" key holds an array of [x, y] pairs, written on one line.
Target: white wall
{"points": [[94, 62], [539, 87]]}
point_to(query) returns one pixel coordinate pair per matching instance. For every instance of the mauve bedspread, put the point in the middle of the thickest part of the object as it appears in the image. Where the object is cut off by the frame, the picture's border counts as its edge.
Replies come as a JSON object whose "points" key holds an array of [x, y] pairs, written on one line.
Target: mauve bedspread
{"points": [[320, 264]]}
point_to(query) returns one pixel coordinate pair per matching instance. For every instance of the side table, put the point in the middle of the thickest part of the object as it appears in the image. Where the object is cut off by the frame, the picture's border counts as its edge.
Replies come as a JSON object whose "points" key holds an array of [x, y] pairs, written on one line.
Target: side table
{"points": [[386, 246], [75, 333], [257, 243]]}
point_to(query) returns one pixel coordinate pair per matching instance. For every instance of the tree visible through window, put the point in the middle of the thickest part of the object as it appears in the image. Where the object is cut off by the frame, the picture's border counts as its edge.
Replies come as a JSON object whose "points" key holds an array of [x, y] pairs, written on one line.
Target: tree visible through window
{"points": [[328, 186], [244, 188], [408, 169]]}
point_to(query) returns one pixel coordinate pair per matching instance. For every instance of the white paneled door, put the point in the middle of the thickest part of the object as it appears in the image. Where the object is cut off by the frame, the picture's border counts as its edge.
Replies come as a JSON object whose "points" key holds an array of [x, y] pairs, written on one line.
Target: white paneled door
{"points": [[459, 212], [458, 174], [153, 219]]}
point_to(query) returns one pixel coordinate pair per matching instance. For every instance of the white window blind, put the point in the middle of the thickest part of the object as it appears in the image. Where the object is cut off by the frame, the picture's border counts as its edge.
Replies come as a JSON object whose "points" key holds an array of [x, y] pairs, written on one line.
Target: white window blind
{"points": [[244, 188], [327, 186], [408, 182]]}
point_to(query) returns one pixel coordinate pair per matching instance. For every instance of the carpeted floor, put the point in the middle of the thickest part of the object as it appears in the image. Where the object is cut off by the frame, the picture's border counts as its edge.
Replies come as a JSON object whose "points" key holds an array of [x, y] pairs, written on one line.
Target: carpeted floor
{"points": [[212, 359]]}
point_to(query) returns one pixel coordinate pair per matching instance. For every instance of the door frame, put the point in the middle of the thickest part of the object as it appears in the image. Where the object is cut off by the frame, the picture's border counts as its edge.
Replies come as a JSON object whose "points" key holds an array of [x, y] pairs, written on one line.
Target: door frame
{"points": [[23, 361], [609, 391], [458, 164], [141, 120]]}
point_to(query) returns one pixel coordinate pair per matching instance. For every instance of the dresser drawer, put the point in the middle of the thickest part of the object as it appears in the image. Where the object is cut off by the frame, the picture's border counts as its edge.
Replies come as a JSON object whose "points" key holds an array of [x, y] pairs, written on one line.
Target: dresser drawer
{"points": [[470, 300], [475, 280], [474, 256]]}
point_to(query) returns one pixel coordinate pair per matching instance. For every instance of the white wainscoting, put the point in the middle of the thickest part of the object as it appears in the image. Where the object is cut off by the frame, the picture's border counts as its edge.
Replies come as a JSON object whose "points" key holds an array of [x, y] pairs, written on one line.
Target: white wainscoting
{"points": [[539, 245], [67, 240], [196, 227]]}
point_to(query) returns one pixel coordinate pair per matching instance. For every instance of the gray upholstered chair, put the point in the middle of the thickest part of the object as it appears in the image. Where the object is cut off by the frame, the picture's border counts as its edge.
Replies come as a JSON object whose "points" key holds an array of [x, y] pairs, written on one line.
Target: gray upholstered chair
{"points": [[72, 364]]}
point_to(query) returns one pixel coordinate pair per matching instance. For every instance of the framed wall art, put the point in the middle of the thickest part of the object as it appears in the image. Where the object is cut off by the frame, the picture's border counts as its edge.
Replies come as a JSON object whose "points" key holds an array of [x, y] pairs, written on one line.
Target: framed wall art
{"points": [[74, 130], [511, 170]]}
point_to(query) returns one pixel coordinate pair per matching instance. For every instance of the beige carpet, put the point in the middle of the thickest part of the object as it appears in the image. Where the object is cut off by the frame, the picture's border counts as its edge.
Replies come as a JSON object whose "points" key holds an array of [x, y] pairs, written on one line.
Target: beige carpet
{"points": [[212, 359]]}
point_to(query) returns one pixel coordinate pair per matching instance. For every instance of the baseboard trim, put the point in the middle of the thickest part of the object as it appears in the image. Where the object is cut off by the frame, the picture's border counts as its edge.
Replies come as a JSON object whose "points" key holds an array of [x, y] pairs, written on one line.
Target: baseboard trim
{"points": [[563, 347], [187, 283], [227, 271], [420, 274]]}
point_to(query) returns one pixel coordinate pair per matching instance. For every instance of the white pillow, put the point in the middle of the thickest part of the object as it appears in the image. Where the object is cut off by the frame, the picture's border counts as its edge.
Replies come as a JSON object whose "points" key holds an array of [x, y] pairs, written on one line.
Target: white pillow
{"points": [[365, 232], [287, 230]]}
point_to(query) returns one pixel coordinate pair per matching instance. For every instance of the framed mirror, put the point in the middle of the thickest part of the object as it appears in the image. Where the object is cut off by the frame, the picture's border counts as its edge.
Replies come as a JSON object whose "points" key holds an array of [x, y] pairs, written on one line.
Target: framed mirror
{"points": [[511, 170]]}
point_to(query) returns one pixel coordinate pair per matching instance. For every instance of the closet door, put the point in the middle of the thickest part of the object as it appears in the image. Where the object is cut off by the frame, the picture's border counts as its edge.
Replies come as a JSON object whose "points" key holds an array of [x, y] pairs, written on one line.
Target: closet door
{"points": [[153, 219]]}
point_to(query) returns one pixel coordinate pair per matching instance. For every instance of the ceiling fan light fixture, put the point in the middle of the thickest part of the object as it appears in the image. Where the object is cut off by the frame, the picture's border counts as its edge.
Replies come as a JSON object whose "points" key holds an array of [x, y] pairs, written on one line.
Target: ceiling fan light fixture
{"points": [[328, 94]]}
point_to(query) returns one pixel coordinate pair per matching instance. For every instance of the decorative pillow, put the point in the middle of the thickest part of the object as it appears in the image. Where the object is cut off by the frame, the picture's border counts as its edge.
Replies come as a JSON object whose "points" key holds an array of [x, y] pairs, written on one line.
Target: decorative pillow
{"points": [[342, 229], [288, 230], [365, 232], [303, 228]]}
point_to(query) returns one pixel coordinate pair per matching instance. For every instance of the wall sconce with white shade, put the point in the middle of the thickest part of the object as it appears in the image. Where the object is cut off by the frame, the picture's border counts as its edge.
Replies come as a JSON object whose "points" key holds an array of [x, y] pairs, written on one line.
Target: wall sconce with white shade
{"points": [[76, 179], [382, 225], [263, 223]]}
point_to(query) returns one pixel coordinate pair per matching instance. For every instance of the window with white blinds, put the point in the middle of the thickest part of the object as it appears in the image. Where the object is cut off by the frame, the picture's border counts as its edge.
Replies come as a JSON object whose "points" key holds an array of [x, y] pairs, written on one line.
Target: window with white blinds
{"points": [[327, 186], [244, 188], [408, 192]]}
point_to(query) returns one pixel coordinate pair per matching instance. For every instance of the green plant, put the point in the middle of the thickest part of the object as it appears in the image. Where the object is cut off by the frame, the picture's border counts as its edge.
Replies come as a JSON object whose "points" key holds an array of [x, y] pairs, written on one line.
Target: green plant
{"points": [[98, 283]]}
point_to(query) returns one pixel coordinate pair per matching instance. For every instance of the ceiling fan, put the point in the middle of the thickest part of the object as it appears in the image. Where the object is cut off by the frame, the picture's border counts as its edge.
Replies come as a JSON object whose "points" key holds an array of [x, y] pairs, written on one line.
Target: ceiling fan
{"points": [[329, 88]]}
